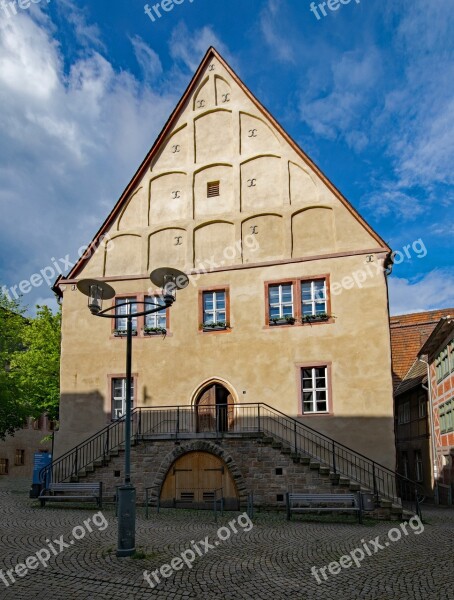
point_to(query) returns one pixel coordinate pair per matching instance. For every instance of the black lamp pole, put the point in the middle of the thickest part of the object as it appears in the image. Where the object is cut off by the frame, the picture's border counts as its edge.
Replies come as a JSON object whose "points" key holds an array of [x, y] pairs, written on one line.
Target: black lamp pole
{"points": [[169, 280]]}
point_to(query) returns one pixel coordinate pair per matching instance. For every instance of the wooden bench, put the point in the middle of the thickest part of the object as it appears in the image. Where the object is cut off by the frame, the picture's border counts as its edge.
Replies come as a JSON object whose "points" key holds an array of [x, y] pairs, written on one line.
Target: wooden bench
{"points": [[81, 492], [324, 502]]}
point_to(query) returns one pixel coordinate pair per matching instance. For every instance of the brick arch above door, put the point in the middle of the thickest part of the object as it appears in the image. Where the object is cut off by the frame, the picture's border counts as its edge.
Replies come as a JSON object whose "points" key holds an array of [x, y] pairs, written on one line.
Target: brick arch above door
{"points": [[199, 446]]}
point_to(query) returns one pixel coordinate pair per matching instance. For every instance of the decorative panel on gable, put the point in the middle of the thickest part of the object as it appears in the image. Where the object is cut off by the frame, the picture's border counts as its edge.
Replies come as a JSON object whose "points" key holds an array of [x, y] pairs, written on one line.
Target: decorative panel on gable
{"points": [[256, 135], [215, 242], [261, 183], [204, 98], [213, 137], [167, 247], [134, 215], [313, 232], [208, 204], [169, 198], [303, 189], [124, 255], [223, 91], [268, 233], [174, 152]]}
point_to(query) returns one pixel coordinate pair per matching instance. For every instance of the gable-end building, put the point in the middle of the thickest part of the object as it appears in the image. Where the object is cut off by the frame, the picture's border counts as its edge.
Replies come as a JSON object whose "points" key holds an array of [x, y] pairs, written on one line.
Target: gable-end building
{"points": [[277, 257]]}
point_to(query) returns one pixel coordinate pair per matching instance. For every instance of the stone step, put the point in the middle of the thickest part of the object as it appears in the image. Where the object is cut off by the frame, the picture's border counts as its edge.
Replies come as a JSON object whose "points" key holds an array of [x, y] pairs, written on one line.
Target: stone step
{"points": [[267, 440], [344, 481], [286, 450], [305, 460], [354, 487], [276, 445], [324, 471], [314, 465]]}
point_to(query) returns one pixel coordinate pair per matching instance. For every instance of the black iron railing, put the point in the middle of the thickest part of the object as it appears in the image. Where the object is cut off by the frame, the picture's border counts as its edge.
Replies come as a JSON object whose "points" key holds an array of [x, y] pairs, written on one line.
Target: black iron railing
{"points": [[179, 422]]}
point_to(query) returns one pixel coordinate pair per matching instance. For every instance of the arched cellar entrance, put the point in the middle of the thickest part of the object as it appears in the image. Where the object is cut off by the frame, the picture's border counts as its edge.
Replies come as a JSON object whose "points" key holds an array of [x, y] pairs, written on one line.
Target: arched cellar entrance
{"points": [[215, 409], [193, 481]]}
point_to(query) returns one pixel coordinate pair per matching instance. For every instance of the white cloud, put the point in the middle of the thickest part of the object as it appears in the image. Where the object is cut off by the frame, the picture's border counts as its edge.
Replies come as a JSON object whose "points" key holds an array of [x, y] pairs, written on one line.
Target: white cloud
{"points": [[147, 58], [279, 44], [335, 103], [393, 202], [69, 142], [191, 48], [429, 292]]}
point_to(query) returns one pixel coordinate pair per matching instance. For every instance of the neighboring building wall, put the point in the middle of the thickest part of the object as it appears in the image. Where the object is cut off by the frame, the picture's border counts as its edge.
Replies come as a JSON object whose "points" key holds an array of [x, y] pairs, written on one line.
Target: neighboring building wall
{"points": [[276, 219], [20, 448], [413, 438], [413, 427], [443, 409]]}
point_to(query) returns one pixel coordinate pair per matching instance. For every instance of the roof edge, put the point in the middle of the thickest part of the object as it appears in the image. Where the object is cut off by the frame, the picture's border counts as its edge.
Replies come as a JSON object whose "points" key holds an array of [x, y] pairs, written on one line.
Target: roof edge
{"points": [[212, 52]]}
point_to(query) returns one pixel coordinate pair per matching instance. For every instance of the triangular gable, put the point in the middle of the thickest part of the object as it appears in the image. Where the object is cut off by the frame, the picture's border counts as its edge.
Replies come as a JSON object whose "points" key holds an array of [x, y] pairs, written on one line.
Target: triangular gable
{"points": [[172, 121]]}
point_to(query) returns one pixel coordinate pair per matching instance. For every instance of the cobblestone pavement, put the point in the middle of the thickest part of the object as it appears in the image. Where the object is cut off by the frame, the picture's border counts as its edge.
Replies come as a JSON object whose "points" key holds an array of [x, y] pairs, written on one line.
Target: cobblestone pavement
{"points": [[271, 561]]}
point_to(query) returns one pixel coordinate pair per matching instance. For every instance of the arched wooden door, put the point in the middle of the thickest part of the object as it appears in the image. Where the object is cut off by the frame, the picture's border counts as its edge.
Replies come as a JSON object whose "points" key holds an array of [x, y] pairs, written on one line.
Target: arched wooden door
{"points": [[215, 409], [195, 478]]}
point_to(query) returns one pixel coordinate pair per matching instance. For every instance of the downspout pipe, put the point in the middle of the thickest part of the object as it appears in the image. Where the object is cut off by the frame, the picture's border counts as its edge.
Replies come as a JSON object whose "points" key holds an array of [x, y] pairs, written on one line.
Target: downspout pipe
{"points": [[432, 425]]}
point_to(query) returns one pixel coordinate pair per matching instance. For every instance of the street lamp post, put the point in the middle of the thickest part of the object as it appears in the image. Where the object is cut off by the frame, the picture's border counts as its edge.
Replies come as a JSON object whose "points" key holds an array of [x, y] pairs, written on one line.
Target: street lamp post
{"points": [[169, 280]]}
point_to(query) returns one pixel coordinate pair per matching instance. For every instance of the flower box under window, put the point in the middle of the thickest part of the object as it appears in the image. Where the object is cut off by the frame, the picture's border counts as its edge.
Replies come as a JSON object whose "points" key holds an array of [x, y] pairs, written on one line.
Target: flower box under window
{"points": [[154, 331], [123, 332], [282, 321], [316, 318], [217, 326]]}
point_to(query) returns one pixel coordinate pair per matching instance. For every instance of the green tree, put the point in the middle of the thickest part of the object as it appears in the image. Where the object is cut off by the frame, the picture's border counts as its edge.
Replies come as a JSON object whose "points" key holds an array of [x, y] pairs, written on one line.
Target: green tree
{"points": [[13, 411], [36, 370]]}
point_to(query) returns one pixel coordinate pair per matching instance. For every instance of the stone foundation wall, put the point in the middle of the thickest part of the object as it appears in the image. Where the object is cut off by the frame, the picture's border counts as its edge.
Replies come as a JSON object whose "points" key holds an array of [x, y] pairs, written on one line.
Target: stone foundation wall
{"points": [[252, 463]]}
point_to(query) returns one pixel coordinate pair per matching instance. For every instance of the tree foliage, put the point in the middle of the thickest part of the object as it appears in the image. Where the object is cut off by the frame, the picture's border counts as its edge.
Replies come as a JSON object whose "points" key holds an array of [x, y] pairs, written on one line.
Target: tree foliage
{"points": [[29, 364], [12, 323]]}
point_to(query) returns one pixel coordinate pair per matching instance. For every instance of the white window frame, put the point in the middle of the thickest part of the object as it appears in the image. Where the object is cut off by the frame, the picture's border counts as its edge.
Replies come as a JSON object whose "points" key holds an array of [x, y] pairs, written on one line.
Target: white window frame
{"points": [[313, 390], [280, 304], [422, 408], [419, 466], [404, 413], [314, 300], [118, 413], [157, 320], [121, 322], [215, 311], [405, 464]]}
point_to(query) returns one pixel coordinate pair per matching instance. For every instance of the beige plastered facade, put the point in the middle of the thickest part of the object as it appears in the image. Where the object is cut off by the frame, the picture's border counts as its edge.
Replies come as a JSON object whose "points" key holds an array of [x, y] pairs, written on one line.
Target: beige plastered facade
{"points": [[276, 218]]}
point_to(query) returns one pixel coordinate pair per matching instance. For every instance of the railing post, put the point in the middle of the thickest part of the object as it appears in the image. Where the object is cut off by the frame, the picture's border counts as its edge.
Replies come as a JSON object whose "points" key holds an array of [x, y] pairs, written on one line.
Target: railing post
{"points": [[374, 477], [258, 419], [139, 429], [334, 457], [76, 461], [295, 438], [178, 423]]}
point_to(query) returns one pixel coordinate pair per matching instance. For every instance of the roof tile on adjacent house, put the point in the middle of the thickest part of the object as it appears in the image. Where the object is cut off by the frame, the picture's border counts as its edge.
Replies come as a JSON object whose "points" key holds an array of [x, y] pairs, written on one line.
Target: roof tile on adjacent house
{"points": [[408, 335]]}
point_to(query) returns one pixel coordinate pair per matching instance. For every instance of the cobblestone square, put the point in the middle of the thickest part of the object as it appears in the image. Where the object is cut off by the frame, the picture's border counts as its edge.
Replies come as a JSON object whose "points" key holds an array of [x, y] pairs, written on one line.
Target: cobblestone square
{"points": [[271, 561]]}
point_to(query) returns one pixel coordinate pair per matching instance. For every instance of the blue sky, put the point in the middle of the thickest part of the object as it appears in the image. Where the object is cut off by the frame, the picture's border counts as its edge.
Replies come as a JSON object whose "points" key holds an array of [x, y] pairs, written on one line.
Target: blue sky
{"points": [[367, 91]]}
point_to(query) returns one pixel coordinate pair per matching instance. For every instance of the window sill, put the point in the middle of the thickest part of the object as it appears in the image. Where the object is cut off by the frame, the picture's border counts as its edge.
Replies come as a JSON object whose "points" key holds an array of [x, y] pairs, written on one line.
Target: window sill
{"points": [[215, 330], [316, 414], [123, 334], [155, 333]]}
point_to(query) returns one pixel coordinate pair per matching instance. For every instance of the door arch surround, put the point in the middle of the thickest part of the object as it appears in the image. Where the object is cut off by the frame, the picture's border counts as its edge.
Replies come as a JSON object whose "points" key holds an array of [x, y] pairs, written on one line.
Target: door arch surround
{"points": [[195, 479], [214, 403]]}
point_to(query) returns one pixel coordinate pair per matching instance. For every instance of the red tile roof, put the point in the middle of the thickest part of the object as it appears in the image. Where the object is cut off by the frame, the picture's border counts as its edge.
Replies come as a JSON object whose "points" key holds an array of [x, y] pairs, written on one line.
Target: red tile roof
{"points": [[408, 334]]}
